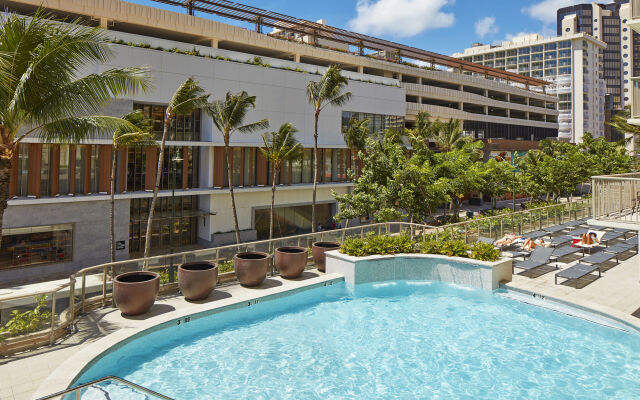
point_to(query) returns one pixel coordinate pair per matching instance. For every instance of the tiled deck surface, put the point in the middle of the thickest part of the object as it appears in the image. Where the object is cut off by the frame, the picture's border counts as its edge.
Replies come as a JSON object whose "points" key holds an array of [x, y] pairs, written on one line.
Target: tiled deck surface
{"points": [[22, 374]]}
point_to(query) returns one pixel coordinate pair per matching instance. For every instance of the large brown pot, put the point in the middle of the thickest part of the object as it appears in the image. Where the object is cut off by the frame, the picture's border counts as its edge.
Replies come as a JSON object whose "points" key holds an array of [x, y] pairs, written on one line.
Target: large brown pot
{"points": [[197, 279], [251, 267], [317, 252], [135, 292], [290, 261]]}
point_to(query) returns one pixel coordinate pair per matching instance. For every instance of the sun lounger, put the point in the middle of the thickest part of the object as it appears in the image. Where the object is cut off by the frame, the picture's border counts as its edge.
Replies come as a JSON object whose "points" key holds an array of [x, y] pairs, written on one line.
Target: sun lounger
{"points": [[599, 258], [619, 248], [610, 236], [577, 271], [555, 228], [483, 239], [624, 231], [535, 235], [561, 240], [577, 222], [539, 257], [580, 231], [565, 251], [633, 241]]}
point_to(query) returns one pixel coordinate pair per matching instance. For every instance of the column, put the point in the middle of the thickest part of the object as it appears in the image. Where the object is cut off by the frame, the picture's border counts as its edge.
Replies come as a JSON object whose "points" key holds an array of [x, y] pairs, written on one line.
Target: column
{"points": [[360, 69], [214, 43]]}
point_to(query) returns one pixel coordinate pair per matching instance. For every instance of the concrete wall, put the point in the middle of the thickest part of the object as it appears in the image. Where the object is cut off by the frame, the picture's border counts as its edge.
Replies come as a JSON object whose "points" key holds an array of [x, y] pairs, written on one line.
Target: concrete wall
{"points": [[91, 242]]}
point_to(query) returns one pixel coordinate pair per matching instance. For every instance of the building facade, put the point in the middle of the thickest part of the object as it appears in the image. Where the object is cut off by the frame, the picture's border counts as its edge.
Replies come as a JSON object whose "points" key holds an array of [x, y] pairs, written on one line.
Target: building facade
{"points": [[571, 63], [57, 219], [621, 57]]}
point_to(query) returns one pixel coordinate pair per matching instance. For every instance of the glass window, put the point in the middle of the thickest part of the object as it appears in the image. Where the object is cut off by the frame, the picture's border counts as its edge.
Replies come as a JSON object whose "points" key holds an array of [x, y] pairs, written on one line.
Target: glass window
{"points": [[136, 159], [550, 46], [45, 170], [307, 168], [335, 164], [328, 159], [249, 166], [95, 169], [296, 171], [36, 245], [81, 154], [23, 170], [183, 127], [64, 178], [237, 165], [523, 50], [193, 168]]}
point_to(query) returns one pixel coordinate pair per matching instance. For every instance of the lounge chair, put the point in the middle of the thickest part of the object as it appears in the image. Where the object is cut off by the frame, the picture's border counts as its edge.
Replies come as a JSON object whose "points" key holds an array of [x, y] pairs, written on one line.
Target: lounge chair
{"points": [[580, 231], [555, 228], [576, 222], [535, 235], [561, 240], [624, 231], [565, 251], [633, 240], [599, 258], [610, 236], [619, 248], [578, 271], [483, 239], [539, 256]]}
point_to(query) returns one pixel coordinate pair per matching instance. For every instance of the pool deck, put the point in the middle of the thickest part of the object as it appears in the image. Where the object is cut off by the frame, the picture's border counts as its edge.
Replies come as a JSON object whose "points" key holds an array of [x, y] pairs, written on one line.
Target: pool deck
{"points": [[21, 375], [616, 294]]}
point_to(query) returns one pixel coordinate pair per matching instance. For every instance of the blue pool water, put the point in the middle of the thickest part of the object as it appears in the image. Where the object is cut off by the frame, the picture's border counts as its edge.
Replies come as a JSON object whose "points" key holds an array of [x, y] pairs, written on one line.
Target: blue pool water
{"points": [[404, 340]]}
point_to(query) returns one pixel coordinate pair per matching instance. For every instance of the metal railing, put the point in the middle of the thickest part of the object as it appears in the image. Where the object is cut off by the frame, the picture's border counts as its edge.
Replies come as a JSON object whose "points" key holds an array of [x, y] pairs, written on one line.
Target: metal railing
{"points": [[617, 197], [77, 390], [90, 288]]}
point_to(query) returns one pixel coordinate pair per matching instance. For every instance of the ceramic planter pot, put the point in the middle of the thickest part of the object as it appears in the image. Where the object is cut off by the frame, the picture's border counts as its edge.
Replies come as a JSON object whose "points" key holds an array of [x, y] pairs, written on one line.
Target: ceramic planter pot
{"points": [[197, 279], [290, 261], [251, 267], [135, 292], [317, 252]]}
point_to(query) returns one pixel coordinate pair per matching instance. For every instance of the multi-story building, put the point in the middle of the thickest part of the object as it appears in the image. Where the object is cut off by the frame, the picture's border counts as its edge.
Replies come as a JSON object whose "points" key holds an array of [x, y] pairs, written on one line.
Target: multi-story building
{"points": [[57, 218], [621, 57], [569, 62]]}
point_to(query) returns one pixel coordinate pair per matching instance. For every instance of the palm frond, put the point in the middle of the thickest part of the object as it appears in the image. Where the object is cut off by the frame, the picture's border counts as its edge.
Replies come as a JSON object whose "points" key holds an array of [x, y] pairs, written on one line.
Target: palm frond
{"points": [[77, 129], [262, 124], [188, 97], [229, 114]]}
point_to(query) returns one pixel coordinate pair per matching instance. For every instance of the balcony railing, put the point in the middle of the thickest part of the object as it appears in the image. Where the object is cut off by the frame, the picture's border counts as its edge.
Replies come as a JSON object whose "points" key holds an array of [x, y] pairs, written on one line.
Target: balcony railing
{"points": [[616, 198]]}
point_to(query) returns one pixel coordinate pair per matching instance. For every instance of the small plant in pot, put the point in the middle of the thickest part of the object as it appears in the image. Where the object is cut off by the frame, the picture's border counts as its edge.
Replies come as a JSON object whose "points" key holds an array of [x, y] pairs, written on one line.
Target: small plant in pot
{"points": [[290, 261], [317, 252], [135, 292], [251, 267], [197, 279]]}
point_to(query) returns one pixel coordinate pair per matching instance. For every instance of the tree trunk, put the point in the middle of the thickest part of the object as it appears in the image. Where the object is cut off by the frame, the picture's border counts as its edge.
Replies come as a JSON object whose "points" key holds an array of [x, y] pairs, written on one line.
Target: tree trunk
{"points": [[112, 235], [354, 165], [315, 172], [6, 156], [344, 231], [273, 198], [156, 188], [230, 179]]}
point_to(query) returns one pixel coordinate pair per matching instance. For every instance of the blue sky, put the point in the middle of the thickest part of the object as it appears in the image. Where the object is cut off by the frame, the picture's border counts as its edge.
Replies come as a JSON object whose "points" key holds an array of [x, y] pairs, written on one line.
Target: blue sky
{"points": [[443, 26]]}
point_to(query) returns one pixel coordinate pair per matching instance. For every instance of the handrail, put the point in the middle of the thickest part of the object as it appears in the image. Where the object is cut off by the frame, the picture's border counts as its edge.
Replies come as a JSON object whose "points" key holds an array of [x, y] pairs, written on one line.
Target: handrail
{"points": [[98, 288], [76, 389]]}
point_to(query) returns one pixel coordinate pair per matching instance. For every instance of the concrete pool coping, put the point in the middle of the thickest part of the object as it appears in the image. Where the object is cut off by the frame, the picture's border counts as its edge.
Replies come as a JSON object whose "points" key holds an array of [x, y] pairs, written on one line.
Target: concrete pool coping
{"points": [[73, 367]]}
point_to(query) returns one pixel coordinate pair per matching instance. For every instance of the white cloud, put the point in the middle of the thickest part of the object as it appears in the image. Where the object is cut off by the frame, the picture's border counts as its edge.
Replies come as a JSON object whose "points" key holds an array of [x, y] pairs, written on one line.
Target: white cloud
{"points": [[546, 10], [401, 18], [486, 26]]}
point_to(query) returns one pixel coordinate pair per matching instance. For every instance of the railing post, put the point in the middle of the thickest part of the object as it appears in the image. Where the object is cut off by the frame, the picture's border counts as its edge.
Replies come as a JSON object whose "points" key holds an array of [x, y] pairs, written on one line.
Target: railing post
{"points": [[104, 286], [84, 291], [53, 317]]}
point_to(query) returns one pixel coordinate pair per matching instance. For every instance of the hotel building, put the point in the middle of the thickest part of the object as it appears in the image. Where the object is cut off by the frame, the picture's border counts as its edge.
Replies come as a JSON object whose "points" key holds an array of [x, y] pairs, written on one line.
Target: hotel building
{"points": [[571, 63], [57, 219]]}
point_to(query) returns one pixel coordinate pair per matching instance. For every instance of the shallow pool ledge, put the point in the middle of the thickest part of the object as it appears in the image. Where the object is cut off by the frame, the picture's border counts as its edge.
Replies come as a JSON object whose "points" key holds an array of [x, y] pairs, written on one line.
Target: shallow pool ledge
{"points": [[461, 271]]}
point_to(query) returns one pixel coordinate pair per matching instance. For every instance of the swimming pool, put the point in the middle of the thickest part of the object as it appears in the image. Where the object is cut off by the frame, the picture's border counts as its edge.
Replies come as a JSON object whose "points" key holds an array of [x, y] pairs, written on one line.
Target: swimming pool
{"points": [[399, 339]]}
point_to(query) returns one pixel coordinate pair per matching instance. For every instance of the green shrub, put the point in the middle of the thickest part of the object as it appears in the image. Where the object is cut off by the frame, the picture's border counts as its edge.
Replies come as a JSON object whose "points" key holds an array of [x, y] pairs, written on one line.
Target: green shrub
{"points": [[454, 248], [430, 246], [378, 244], [28, 321], [225, 266], [484, 252]]}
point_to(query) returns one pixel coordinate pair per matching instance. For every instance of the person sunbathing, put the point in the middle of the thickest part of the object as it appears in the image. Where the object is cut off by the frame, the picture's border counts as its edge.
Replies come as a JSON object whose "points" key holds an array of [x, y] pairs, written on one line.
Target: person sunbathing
{"points": [[531, 244], [508, 239], [589, 239]]}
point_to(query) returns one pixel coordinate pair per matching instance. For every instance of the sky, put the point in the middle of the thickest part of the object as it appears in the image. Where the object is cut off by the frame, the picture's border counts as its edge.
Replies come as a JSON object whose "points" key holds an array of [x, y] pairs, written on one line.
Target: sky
{"points": [[442, 26]]}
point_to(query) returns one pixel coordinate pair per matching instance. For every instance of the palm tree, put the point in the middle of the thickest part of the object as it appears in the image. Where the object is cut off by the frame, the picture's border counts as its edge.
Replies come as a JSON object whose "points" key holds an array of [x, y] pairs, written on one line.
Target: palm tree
{"points": [[41, 93], [123, 138], [228, 116], [619, 123], [189, 97], [279, 146], [449, 135], [328, 91], [423, 130], [355, 136]]}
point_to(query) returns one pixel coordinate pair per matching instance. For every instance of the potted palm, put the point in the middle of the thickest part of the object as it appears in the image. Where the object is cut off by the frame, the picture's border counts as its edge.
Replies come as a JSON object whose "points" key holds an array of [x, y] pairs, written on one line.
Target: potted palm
{"points": [[135, 292], [317, 252], [197, 279], [251, 267]]}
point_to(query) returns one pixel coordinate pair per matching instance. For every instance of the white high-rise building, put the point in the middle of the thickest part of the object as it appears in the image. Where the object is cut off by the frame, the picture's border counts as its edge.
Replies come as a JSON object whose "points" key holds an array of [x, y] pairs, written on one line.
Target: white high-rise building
{"points": [[572, 63]]}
